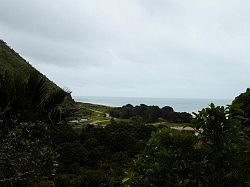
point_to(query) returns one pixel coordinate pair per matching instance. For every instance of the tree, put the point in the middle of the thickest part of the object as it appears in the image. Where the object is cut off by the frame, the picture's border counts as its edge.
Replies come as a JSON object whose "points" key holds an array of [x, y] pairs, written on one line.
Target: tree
{"points": [[224, 146], [217, 154], [167, 111], [28, 100], [242, 104], [27, 114], [26, 153], [166, 161]]}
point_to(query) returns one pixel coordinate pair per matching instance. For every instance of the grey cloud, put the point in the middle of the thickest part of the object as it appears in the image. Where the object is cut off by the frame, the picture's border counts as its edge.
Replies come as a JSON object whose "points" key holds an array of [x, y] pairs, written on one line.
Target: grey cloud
{"points": [[165, 48]]}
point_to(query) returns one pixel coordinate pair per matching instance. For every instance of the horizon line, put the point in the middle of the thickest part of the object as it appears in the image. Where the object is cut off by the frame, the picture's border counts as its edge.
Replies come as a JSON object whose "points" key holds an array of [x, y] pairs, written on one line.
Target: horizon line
{"points": [[145, 97]]}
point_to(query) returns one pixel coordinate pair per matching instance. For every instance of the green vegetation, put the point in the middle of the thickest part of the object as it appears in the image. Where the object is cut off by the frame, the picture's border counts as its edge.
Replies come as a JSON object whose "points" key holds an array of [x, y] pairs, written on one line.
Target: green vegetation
{"points": [[218, 155], [13, 63], [241, 105], [95, 107], [39, 147], [99, 156], [86, 113], [150, 114], [28, 113]]}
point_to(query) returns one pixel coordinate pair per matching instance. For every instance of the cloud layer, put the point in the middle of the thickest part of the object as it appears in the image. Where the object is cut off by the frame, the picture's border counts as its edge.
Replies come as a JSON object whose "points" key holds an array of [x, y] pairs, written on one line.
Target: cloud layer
{"points": [[147, 48]]}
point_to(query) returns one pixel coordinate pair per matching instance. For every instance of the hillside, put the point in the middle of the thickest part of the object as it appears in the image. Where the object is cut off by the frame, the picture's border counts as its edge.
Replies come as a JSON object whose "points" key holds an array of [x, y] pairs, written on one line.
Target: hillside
{"points": [[243, 102], [12, 62]]}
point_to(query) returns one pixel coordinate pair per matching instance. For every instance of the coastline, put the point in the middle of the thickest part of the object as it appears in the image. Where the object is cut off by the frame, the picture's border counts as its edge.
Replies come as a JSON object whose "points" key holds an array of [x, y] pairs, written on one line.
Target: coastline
{"points": [[179, 105]]}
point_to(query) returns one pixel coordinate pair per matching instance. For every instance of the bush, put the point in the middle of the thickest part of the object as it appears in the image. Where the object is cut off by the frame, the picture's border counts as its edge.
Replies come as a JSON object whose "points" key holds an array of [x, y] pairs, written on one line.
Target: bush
{"points": [[218, 154], [26, 153]]}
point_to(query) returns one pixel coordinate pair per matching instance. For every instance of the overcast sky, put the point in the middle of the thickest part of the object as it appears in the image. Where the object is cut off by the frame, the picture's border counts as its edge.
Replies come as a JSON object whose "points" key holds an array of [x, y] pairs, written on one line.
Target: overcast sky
{"points": [[140, 48]]}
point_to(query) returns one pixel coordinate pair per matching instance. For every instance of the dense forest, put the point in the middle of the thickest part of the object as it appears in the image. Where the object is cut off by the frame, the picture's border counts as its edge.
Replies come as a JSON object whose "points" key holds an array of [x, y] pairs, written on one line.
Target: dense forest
{"points": [[150, 114], [39, 147]]}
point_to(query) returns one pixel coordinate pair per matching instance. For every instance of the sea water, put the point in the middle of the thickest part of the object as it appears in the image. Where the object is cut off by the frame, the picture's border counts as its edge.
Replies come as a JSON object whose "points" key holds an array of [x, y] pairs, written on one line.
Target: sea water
{"points": [[179, 104]]}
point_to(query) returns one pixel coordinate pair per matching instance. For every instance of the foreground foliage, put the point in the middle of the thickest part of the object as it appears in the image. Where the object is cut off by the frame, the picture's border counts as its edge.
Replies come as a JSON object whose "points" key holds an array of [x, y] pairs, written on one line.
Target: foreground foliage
{"points": [[99, 156], [26, 153], [28, 111], [217, 155]]}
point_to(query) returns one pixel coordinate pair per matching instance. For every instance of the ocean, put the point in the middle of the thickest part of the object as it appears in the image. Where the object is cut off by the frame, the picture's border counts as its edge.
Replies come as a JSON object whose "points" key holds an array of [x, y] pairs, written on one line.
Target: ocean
{"points": [[179, 105]]}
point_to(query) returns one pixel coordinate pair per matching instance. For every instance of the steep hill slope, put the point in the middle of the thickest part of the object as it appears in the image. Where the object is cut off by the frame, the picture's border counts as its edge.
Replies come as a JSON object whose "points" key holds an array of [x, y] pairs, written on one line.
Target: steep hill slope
{"points": [[243, 102], [12, 62]]}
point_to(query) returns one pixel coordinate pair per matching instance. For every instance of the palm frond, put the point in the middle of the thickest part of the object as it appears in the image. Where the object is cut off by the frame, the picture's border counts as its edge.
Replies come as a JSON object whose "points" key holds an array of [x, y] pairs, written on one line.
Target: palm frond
{"points": [[54, 99], [36, 91]]}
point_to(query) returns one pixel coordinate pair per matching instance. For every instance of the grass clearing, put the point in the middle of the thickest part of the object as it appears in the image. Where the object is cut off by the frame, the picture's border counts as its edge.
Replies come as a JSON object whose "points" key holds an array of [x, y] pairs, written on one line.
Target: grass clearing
{"points": [[99, 115]]}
